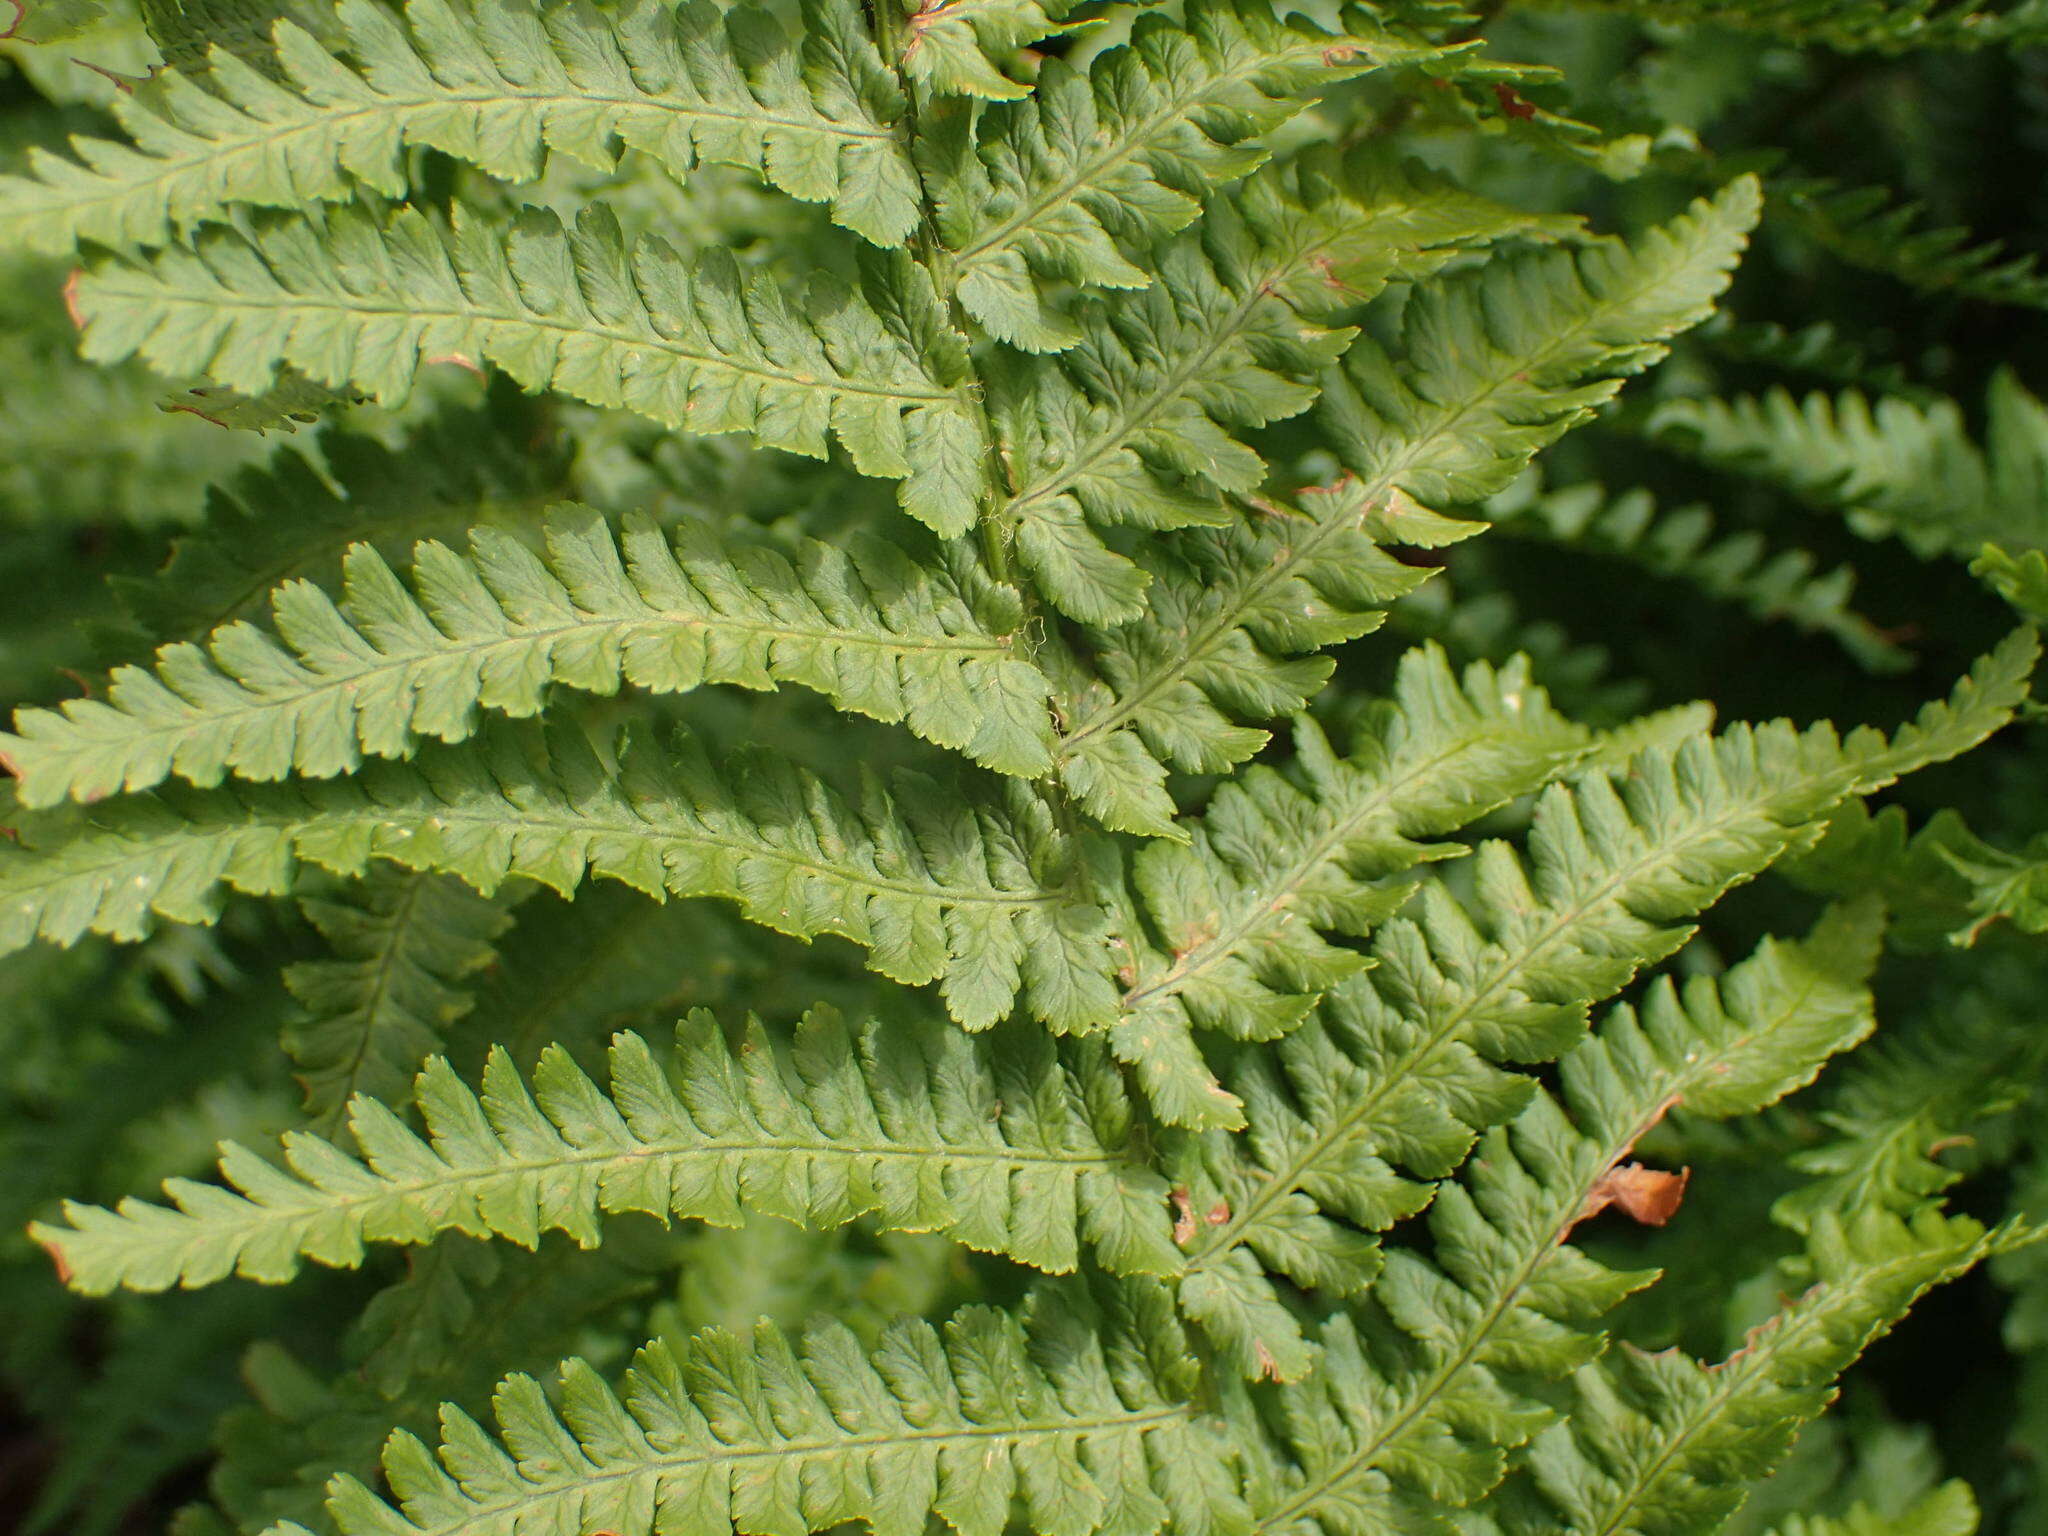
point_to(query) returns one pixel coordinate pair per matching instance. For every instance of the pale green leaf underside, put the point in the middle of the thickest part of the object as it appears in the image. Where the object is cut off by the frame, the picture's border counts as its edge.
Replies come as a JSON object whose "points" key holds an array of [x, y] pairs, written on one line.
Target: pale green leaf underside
{"points": [[495, 629], [996, 1145], [497, 85]]}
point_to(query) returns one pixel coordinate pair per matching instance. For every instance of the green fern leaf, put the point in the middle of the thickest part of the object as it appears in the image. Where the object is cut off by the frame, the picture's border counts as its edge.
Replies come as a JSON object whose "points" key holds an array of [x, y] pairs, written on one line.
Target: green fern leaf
{"points": [[284, 520], [1903, 1117], [1521, 351], [1081, 1417], [1739, 568], [1472, 398], [920, 1128], [497, 86], [1658, 1445], [1138, 423], [959, 47], [352, 301], [1867, 228], [865, 626], [1399, 1064], [1897, 468], [1448, 1341], [1233, 937], [1950, 1510], [935, 885], [404, 944], [1073, 181]]}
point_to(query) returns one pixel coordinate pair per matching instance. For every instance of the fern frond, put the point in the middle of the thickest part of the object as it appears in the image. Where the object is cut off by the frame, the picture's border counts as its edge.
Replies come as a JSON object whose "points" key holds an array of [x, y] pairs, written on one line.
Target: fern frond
{"points": [[352, 300], [403, 946], [498, 86], [285, 520], [1656, 1445], [1399, 1065], [1084, 1418], [959, 47], [1138, 424], [1867, 228], [1500, 362], [1447, 1341], [986, 896], [494, 629], [1919, 1095], [1234, 921], [1739, 568], [1819, 349], [1896, 468], [1076, 180], [995, 1144], [1860, 26], [1950, 1510], [102, 448], [462, 1316]]}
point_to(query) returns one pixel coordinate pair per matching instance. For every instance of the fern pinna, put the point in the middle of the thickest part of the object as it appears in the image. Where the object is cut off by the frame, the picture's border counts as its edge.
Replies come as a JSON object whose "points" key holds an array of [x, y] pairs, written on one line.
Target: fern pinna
{"points": [[909, 811]]}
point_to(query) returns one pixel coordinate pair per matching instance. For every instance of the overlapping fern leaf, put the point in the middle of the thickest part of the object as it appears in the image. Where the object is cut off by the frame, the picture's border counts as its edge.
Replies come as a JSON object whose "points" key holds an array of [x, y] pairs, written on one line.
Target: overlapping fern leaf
{"points": [[1685, 545], [1897, 468], [1140, 423], [1231, 612], [498, 85], [403, 946], [1451, 1343], [1248, 1128], [1075, 180], [1233, 929], [1402, 1065], [1662, 1443]]}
